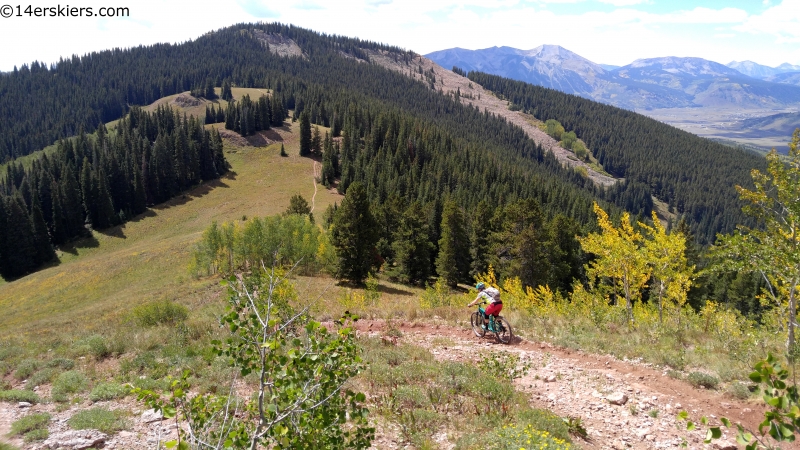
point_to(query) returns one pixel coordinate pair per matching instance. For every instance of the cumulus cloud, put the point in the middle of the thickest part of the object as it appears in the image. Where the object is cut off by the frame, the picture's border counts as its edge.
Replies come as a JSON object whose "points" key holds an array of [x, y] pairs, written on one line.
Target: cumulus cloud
{"points": [[781, 21]]}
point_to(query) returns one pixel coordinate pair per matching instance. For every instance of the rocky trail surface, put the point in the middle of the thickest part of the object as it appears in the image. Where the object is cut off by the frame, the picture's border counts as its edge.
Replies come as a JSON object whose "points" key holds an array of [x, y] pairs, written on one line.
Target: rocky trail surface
{"points": [[622, 404]]}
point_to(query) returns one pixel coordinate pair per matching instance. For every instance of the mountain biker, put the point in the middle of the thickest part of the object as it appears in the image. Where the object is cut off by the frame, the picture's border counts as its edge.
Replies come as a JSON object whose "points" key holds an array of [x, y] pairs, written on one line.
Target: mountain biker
{"points": [[488, 295]]}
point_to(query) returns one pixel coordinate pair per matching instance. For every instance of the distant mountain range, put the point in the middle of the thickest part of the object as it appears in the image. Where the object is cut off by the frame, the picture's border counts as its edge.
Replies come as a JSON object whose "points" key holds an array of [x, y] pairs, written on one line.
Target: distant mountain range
{"points": [[756, 70], [669, 82]]}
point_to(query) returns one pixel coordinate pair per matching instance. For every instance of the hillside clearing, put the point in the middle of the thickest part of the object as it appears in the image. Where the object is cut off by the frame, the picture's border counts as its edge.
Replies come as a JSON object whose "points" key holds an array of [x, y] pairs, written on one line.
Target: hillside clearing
{"points": [[100, 279]]}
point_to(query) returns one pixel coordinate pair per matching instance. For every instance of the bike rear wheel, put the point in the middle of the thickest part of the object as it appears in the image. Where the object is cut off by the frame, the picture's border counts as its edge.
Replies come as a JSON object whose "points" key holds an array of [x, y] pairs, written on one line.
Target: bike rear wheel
{"points": [[477, 324], [503, 331]]}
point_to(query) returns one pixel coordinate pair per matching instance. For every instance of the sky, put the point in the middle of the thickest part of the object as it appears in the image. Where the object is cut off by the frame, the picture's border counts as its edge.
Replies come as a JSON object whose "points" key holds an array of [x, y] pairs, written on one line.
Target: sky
{"points": [[604, 31]]}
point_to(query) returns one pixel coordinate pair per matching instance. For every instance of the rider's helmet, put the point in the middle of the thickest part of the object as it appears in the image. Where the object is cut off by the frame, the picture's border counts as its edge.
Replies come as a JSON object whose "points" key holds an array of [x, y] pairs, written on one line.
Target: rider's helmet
{"points": [[480, 286]]}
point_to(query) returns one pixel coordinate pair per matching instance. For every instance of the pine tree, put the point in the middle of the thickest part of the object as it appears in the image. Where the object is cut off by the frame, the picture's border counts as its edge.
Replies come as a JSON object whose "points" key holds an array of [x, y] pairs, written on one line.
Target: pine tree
{"points": [[412, 247], [283, 150], [5, 248], [452, 263], [88, 191], [305, 134], [354, 234], [298, 205], [20, 257], [106, 215], [328, 170], [44, 249], [316, 142], [227, 95], [479, 238]]}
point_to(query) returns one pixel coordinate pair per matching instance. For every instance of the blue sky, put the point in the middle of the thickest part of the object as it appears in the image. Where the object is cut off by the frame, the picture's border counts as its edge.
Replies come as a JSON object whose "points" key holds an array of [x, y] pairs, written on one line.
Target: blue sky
{"points": [[604, 31]]}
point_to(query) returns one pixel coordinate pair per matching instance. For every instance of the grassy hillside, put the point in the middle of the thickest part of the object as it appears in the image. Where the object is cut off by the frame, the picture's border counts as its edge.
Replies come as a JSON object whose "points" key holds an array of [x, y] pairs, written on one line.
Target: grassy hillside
{"points": [[146, 259]]}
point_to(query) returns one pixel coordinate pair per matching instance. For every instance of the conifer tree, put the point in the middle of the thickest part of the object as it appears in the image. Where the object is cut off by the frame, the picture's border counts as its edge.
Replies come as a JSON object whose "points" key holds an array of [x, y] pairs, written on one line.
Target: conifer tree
{"points": [[452, 263], [354, 234], [305, 134], [412, 246], [283, 150], [88, 191], [44, 250], [298, 205], [479, 238], [227, 95], [5, 248], [21, 253], [328, 170], [316, 142], [106, 215]]}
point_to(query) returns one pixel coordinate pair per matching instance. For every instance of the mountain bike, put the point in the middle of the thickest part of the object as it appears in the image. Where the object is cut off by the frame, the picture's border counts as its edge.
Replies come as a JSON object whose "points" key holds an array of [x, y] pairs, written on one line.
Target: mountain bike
{"points": [[497, 325]]}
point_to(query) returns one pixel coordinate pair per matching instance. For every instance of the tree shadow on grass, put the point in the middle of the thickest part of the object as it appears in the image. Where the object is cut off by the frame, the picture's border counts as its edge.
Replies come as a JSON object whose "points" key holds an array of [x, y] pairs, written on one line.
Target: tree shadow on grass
{"points": [[72, 247]]}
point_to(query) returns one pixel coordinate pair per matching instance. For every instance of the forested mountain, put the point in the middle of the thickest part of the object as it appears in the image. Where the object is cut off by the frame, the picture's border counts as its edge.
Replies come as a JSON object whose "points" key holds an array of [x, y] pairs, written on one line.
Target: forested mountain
{"points": [[398, 137], [694, 175], [409, 145]]}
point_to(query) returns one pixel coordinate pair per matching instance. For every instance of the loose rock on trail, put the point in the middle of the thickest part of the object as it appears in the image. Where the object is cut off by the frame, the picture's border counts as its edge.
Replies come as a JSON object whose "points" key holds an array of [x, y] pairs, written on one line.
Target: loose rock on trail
{"points": [[622, 404]]}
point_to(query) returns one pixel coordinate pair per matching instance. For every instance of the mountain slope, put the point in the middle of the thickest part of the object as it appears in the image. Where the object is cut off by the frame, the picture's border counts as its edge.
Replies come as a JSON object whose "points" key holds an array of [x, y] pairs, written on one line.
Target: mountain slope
{"points": [[547, 65]]}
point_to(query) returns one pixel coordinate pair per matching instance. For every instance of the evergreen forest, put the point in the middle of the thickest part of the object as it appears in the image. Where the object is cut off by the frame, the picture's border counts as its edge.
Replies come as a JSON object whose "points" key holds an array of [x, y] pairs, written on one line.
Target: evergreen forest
{"points": [[418, 153]]}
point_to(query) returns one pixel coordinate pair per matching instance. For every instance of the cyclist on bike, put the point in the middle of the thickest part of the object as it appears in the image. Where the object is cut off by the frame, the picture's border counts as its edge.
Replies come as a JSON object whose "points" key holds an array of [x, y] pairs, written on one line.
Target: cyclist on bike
{"points": [[488, 295]]}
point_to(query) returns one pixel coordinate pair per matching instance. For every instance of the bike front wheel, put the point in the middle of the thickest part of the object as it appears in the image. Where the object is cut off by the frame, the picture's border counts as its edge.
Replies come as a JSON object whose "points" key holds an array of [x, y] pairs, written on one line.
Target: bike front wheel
{"points": [[503, 331], [477, 324]]}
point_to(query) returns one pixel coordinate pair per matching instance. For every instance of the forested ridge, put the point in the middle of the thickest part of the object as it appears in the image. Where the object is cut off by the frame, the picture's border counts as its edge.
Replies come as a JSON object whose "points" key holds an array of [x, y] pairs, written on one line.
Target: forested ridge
{"points": [[412, 148], [397, 136], [696, 176]]}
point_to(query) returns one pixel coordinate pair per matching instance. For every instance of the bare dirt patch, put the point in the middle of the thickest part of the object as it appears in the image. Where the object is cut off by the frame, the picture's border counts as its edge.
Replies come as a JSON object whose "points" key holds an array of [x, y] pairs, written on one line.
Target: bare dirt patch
{"points": [[474, 94], [186, 101]]}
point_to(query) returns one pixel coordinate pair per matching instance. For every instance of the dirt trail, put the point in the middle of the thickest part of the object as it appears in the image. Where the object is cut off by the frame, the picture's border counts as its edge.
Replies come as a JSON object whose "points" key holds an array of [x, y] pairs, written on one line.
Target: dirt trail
{"points": [[473, 94], [314, 181], [576, 384]]}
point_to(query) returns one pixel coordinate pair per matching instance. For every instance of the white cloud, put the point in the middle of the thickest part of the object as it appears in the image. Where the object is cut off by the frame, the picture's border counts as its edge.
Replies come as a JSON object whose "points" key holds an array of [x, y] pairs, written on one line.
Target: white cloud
{"points": [[781, 21], [618, 36]]}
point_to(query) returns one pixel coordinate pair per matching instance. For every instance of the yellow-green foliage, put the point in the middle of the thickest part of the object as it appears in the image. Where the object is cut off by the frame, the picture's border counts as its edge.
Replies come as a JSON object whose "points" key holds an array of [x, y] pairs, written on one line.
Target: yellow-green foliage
{"points": [[283, 240], [513, 437], [554, 129]]}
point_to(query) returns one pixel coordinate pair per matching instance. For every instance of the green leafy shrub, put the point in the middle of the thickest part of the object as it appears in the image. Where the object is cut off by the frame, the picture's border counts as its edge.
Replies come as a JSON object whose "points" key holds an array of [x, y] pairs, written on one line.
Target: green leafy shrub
{"points": [[26, 368], [105, 420], [739, 391], [698, 379], [17, 395], [4, 446], [94, 345], [61, 363], [108, 391], [71, 382], [503, 365], [32, 427], [160, 312], [41, 377]]}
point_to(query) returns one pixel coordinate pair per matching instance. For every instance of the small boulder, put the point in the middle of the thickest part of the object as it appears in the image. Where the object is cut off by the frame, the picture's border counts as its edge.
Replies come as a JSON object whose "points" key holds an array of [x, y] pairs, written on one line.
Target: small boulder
{"points": [[617, 398], [725, 445], [24, 405], [151, 415], [550, 379], [75, 440]]}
